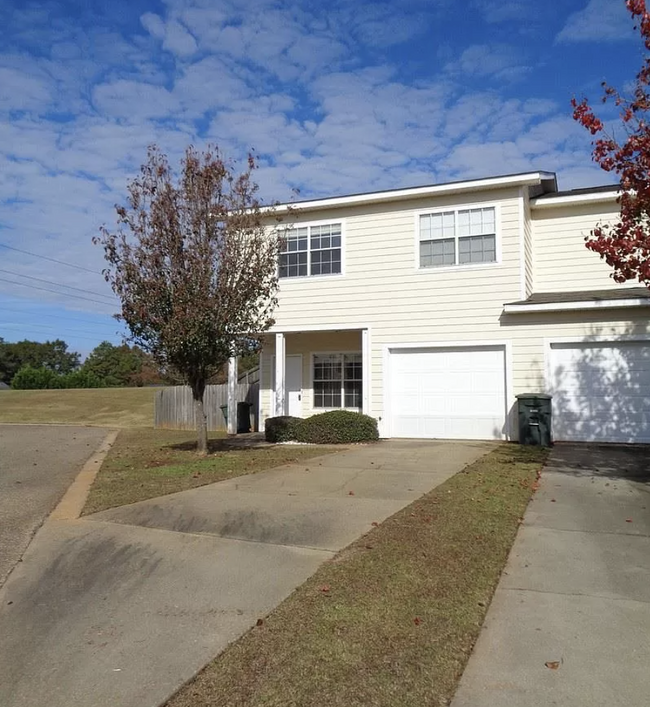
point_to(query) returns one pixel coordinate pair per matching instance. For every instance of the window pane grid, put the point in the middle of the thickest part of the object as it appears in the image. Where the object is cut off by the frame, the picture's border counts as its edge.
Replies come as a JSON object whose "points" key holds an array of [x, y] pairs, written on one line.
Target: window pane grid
{"points": [[458, 237], [318, 249], [338, 380]]}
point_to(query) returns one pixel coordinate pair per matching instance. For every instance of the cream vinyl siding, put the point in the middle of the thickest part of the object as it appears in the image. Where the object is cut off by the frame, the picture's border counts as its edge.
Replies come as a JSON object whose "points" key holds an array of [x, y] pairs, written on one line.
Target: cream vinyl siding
{"points": [[530, 335], [384, 288], [561, 260]]}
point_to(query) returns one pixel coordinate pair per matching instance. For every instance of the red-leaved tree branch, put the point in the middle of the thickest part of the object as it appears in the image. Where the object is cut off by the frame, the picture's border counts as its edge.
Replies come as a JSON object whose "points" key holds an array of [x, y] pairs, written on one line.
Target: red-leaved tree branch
{"points": [[625, 244]]}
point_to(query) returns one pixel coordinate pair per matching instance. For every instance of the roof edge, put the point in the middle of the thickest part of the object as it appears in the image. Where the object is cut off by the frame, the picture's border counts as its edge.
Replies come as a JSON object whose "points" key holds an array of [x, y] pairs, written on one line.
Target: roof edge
{"points": [[519, 180], [598, 195]]}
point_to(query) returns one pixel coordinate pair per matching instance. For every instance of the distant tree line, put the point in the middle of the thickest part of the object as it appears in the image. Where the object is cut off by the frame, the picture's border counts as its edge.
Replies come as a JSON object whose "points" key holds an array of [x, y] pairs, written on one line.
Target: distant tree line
{"points": [[28, 365]]}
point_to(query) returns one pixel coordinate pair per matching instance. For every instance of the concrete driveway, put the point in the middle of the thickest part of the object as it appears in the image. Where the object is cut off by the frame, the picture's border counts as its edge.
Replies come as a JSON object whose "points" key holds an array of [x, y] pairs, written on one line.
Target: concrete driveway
{"points": [[570, 620], [37, 464], [121, 608]]}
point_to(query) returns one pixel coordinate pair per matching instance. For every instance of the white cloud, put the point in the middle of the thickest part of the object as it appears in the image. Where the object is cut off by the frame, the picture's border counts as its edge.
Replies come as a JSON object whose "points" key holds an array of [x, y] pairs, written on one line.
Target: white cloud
{"points": [[495, 11], [500, 61], [599, 21], [314, 93], [153, 24]]}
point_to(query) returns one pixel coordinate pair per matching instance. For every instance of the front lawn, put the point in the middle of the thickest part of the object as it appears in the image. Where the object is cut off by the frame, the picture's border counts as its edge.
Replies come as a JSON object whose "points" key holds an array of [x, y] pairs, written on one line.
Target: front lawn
{"points": [[390, 621], [145, 463]]}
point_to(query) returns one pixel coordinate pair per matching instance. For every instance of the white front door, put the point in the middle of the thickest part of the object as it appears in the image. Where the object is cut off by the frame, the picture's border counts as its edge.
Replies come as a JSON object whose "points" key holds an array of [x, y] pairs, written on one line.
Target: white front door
{"points": [[292, 383], [293, 373], [454, 393]]}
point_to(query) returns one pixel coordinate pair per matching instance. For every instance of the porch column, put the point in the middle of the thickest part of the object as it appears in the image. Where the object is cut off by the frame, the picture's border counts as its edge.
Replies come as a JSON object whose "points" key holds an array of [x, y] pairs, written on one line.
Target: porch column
{"points": [[280, 363], [365, 362], [232, 395]]}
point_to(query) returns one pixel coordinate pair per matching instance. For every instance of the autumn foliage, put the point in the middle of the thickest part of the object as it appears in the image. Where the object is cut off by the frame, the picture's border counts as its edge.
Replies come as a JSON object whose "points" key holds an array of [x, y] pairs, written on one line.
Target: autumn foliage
{"points": [[625, 245], [194, 266]]}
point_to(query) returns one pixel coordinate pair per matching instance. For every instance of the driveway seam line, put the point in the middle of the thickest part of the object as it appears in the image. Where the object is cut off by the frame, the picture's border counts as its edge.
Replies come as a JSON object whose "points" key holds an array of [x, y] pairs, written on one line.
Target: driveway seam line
{"points": [[585, 532], [572, 594], [207, 535]]}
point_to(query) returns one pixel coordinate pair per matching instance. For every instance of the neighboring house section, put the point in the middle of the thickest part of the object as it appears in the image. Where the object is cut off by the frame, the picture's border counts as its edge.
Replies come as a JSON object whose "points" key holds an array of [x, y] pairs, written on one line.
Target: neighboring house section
{"points": [[432, 308]]}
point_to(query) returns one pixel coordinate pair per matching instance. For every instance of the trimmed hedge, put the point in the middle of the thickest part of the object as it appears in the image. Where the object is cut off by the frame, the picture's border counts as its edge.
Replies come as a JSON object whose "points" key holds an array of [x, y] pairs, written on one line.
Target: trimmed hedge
{"points": [[337, 427], [281, 429], [334, 427]]}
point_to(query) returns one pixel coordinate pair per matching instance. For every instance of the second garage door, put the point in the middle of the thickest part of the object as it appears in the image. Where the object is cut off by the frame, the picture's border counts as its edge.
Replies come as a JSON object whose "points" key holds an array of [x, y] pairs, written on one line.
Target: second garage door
{"points": [[601, 391], [454, 393]]}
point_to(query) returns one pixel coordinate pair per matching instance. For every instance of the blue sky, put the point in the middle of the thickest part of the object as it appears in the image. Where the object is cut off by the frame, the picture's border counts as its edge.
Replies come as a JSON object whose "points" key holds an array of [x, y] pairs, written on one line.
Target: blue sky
{"points": [[335, 97]]}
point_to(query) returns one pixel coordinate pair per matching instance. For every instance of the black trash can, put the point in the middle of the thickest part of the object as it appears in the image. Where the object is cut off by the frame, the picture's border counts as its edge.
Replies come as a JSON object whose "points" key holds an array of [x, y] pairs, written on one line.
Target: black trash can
{"points": [[534, 411], [244, 417]]}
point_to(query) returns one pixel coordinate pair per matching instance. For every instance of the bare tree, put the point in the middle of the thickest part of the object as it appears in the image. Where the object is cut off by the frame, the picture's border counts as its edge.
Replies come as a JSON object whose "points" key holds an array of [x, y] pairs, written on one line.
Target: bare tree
{"points": [[193, 265]]}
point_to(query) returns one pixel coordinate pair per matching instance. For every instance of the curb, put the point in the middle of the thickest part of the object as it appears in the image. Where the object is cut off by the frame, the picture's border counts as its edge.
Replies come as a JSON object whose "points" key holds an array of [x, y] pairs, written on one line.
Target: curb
{"points": [[74, 499]]}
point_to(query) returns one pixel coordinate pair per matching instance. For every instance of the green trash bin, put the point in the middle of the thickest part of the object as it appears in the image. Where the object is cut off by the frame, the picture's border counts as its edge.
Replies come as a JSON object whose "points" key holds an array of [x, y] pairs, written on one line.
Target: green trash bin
{"points": [[534, 413]]}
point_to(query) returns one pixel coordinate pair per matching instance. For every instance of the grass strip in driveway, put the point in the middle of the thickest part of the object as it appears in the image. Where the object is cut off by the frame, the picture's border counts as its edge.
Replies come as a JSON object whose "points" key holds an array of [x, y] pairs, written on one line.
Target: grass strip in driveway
{"points": [[390, 621], [145, 463]]}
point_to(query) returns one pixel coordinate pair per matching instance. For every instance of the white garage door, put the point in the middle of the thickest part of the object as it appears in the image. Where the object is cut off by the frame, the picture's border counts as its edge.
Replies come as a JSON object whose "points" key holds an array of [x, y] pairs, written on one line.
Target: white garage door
{"points": [[448, 393], [601, 391]]}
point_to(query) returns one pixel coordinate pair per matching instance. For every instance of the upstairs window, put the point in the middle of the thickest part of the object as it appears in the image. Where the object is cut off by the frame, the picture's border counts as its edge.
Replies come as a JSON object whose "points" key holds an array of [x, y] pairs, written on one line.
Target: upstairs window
{"points": [[458, 237], [311, 250]]}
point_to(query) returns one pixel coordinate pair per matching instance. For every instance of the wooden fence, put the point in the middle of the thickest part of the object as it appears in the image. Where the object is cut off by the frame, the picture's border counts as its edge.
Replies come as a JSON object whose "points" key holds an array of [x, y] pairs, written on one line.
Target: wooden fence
{"points": [[174, 407]]}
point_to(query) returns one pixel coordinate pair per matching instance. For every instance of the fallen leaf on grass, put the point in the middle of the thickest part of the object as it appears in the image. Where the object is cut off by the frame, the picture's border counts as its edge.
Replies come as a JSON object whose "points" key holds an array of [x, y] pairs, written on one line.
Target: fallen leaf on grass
{"points": [[325, 588], [259, 622], [350, 493], [628, 520], [552, 664], [374, 524], [417, 620]]}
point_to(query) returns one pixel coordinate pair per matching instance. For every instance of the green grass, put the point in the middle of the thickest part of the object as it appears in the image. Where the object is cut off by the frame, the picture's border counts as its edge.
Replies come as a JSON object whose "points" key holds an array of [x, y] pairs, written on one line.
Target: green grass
{"points": [[145, 463], [390, 621], [101, 407]]}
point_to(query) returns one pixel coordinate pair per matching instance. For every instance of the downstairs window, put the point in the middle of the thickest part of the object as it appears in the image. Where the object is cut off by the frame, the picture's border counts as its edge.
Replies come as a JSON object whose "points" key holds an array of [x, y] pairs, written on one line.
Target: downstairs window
{"points": [[338, 381]]}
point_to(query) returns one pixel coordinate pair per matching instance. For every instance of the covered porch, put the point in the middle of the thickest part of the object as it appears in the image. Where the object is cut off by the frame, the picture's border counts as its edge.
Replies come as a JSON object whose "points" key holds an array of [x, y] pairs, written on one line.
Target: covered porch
{"points": [[307, 371]]}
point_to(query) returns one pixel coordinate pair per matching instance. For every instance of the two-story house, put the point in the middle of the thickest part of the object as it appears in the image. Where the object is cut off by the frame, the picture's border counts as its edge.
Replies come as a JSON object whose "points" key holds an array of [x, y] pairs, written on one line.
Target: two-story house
{"points": [[431, 308]]}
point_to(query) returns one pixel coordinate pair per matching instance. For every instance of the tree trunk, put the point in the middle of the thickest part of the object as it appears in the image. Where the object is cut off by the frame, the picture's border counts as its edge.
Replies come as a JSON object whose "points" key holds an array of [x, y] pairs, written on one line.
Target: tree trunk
{"points": [[201, 420]]}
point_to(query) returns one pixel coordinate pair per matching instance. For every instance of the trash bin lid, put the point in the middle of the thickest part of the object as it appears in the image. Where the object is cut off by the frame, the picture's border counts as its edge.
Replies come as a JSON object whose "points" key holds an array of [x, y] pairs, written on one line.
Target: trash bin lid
{"points": [[543, 396]]}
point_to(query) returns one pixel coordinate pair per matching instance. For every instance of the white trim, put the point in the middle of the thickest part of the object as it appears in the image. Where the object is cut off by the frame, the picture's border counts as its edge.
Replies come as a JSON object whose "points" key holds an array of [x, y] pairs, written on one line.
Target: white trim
{"points": [[529, 178], [506, 345], [313, 408], [300, 328], [522, 246], [279, 403], [260, 390], [575, 199], [366, 353], [232, 395], [308, 225], [572, 306], [611, 339], [462, 207]]}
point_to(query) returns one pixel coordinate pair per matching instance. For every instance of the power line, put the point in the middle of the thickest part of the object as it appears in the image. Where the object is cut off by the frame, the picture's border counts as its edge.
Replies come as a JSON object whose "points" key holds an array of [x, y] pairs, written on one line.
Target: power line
{"points": [[75, 336], [20, 312], [45, 257], [56, 292], [57, 284], [31, 325]]}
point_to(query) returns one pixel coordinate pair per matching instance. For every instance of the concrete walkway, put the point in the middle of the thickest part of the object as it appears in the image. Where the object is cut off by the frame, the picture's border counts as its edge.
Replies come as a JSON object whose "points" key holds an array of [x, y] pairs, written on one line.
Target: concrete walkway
{"points": [[121, 608], [570, 620]]}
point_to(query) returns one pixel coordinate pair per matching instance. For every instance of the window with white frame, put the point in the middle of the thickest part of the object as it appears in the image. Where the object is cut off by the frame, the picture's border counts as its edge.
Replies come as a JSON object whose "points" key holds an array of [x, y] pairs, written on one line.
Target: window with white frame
{"points": [[311, 250], [458, 237], [338, 380]]}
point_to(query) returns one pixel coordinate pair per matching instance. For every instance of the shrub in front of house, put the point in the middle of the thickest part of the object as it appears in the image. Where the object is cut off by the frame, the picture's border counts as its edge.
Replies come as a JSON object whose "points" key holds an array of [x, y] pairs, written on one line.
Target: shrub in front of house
{"points": [[281, 429], [337, 427]]}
